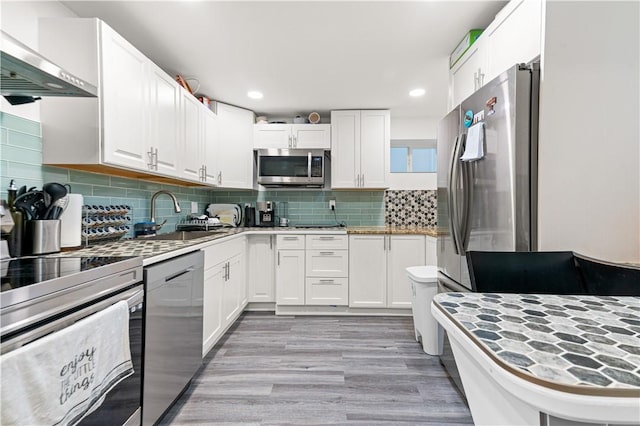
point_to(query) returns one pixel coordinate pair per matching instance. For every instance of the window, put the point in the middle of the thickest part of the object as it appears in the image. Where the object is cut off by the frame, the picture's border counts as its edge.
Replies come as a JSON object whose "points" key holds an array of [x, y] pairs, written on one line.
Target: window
{"points": [[413, 156]]}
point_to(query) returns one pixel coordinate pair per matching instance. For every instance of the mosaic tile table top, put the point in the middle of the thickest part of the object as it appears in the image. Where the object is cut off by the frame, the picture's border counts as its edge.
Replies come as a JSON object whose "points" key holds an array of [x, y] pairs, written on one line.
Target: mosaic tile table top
{"points": [[581, 344]]}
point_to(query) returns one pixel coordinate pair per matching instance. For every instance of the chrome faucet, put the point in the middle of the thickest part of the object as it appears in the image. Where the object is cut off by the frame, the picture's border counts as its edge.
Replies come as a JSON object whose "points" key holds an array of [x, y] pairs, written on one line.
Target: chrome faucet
{"points": [[176, 206]]}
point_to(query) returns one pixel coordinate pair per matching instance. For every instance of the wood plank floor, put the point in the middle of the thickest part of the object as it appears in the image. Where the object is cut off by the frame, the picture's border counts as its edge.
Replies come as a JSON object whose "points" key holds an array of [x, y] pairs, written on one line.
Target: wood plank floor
{"points": [[270, 370]]}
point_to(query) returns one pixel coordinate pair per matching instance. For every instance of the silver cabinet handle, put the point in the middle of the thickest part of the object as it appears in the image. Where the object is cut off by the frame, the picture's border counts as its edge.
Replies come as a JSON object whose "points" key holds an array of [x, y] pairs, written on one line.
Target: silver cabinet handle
{"points": [[362, 181], [327, 253], [204, 173], [290, 238], [155, 159], [220, 178], [326, 238], [295, 141], [150, 164], [384, 241], [270, 242], [325, 282], [278, 258], [290, 142], [309, 166], [389, 242]]}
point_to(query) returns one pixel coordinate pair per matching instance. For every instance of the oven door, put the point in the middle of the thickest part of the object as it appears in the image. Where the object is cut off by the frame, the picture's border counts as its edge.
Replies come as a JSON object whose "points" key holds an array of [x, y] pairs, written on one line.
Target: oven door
{"points": [[122, 404], [290, 167]]}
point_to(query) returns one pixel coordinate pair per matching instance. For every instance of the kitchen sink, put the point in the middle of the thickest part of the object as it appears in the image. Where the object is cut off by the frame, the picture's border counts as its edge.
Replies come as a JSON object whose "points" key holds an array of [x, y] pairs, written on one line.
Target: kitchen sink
{"points": [[182, 235]]}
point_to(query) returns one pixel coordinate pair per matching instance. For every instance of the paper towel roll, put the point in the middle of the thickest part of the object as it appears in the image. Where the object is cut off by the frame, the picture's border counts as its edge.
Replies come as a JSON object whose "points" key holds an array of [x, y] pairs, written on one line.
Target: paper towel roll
{"points": [[71, 222]]}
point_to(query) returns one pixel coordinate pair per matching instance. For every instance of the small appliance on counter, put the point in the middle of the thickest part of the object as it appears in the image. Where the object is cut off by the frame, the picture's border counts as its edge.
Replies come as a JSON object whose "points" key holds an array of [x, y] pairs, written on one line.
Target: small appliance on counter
{"points": [[249, 216], [229, 214], [266, 213]]}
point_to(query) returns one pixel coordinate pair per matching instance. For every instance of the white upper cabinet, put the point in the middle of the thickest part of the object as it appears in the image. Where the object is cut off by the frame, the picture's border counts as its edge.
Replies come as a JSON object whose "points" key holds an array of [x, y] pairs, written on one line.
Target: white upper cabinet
{"points": [[514, 36], [124, 94], [235, 153], [292, 136], [311, 136], [360, 144], [164, 120], [142, 121], [375, 146], [191, 157], [467, 75], [211, 146]]}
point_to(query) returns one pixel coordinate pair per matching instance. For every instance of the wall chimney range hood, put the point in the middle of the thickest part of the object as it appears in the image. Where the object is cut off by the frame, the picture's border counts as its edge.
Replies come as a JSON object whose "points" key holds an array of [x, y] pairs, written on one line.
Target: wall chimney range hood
{"points": [[27, 75]]}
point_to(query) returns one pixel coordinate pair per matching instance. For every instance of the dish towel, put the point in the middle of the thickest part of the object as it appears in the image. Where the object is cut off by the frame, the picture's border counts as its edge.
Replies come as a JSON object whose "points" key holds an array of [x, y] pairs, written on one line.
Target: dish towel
{"points": [[64, 376], [474, 148]]}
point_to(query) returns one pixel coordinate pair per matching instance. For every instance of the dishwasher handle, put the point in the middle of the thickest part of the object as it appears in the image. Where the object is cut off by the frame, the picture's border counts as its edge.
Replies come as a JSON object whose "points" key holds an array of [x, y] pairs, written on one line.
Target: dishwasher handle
{"points": [[179, 274]]}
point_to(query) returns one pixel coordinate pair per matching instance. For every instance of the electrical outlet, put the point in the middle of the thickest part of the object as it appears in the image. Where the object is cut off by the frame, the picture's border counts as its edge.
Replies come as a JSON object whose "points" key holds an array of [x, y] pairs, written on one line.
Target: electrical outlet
{"points": [[194, 207], [332, 204]]}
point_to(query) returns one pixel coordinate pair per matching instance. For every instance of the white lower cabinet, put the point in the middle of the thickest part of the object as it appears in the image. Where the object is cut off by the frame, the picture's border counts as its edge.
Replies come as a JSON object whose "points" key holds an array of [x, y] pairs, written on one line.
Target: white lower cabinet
{"points": [[402, 251], [431, 250], [377, 263], [312, 270], [290, 277], [327, 270], [225, 294], [367, 271], [261, 269], [327, 291], [212, 307]]}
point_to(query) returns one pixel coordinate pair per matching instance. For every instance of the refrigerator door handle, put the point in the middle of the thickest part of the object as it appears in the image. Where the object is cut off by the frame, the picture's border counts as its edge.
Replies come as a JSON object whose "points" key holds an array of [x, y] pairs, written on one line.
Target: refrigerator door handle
{"points": [[468, 204], [453, 195]]}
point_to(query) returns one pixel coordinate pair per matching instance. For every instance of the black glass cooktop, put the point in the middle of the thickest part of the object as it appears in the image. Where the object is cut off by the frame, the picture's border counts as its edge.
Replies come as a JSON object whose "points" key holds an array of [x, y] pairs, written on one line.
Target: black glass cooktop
{"points": [[26, 271]]}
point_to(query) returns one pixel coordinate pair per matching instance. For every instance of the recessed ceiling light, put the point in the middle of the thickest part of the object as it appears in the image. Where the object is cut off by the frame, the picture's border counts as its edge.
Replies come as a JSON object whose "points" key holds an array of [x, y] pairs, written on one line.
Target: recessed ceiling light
{"points": [[55, 85], [255, 94], [417, 92]]}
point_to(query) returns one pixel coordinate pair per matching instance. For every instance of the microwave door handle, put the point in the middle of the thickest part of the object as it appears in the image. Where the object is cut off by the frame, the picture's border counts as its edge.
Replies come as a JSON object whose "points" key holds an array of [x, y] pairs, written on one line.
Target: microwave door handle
{"points": [[309, 166]]}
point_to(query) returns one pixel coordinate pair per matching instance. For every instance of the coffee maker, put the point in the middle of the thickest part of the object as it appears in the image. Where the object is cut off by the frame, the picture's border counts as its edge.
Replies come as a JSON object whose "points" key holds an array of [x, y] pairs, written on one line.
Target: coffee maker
{"points": [[266, 213]]}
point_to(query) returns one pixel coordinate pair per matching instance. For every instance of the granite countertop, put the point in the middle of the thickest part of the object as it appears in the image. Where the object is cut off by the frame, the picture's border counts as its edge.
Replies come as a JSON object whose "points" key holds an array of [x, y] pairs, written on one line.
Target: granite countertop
{"points": [[419, 230], [579, 344], [150, 250]]}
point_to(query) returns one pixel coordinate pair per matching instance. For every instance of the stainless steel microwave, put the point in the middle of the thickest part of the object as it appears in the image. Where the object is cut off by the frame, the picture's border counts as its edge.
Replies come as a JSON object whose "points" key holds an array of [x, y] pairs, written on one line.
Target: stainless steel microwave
{"points": [[291, 167]]}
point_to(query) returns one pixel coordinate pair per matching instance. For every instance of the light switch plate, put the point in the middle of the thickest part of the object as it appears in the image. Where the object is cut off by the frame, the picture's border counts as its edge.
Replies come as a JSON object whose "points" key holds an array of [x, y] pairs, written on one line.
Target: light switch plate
{"points": [[194, 207]]}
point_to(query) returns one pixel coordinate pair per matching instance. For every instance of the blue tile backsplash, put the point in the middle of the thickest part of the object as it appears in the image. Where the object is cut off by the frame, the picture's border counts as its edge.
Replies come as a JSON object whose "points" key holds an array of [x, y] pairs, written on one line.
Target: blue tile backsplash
{"points": [[21, 159]]}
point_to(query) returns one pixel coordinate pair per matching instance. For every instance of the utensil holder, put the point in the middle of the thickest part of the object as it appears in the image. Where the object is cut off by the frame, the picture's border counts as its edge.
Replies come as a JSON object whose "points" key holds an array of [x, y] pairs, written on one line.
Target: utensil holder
{"points": [[42, 236]]}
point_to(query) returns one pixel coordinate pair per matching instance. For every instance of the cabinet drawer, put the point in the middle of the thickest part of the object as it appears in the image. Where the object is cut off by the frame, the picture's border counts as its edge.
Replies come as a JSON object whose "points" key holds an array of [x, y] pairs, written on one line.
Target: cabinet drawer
{"points": [[327, 263], [290, 242], [327, 291], [335, 242]]}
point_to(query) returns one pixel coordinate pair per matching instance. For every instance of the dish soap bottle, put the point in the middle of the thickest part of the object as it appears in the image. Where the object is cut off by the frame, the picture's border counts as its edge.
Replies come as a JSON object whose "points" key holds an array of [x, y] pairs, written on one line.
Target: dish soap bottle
{"points": [[15, 237]]}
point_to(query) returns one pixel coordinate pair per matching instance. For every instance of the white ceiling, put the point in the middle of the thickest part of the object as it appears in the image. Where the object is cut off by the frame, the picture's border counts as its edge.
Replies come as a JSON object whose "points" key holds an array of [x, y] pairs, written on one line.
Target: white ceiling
{"points": [[304, 56]]}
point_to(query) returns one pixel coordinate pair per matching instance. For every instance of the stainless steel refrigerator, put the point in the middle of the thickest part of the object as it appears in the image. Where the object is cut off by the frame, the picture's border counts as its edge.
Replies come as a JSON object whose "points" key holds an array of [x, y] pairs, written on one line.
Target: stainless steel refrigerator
{"points": [[488, 204]]}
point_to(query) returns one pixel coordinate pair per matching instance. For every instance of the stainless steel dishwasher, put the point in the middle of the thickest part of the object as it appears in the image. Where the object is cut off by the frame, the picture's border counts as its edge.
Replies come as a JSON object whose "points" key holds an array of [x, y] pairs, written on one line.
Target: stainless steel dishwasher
{"points": [[173, 331]]}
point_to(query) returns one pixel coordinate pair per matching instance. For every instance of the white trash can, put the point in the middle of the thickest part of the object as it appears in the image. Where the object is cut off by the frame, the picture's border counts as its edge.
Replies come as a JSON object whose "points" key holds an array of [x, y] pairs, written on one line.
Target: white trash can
{"points": [[424, 286]]}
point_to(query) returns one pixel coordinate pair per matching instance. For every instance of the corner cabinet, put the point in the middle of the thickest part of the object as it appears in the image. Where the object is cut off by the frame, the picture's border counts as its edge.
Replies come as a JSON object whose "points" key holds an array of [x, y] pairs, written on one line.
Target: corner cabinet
{"points": [[514, 36], [360, 149], [292, 136]]}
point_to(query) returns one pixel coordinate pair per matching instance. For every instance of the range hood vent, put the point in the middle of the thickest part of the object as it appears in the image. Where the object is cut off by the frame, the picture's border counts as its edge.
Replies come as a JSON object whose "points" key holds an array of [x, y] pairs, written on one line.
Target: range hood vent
{"points": [[26, 73]]}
